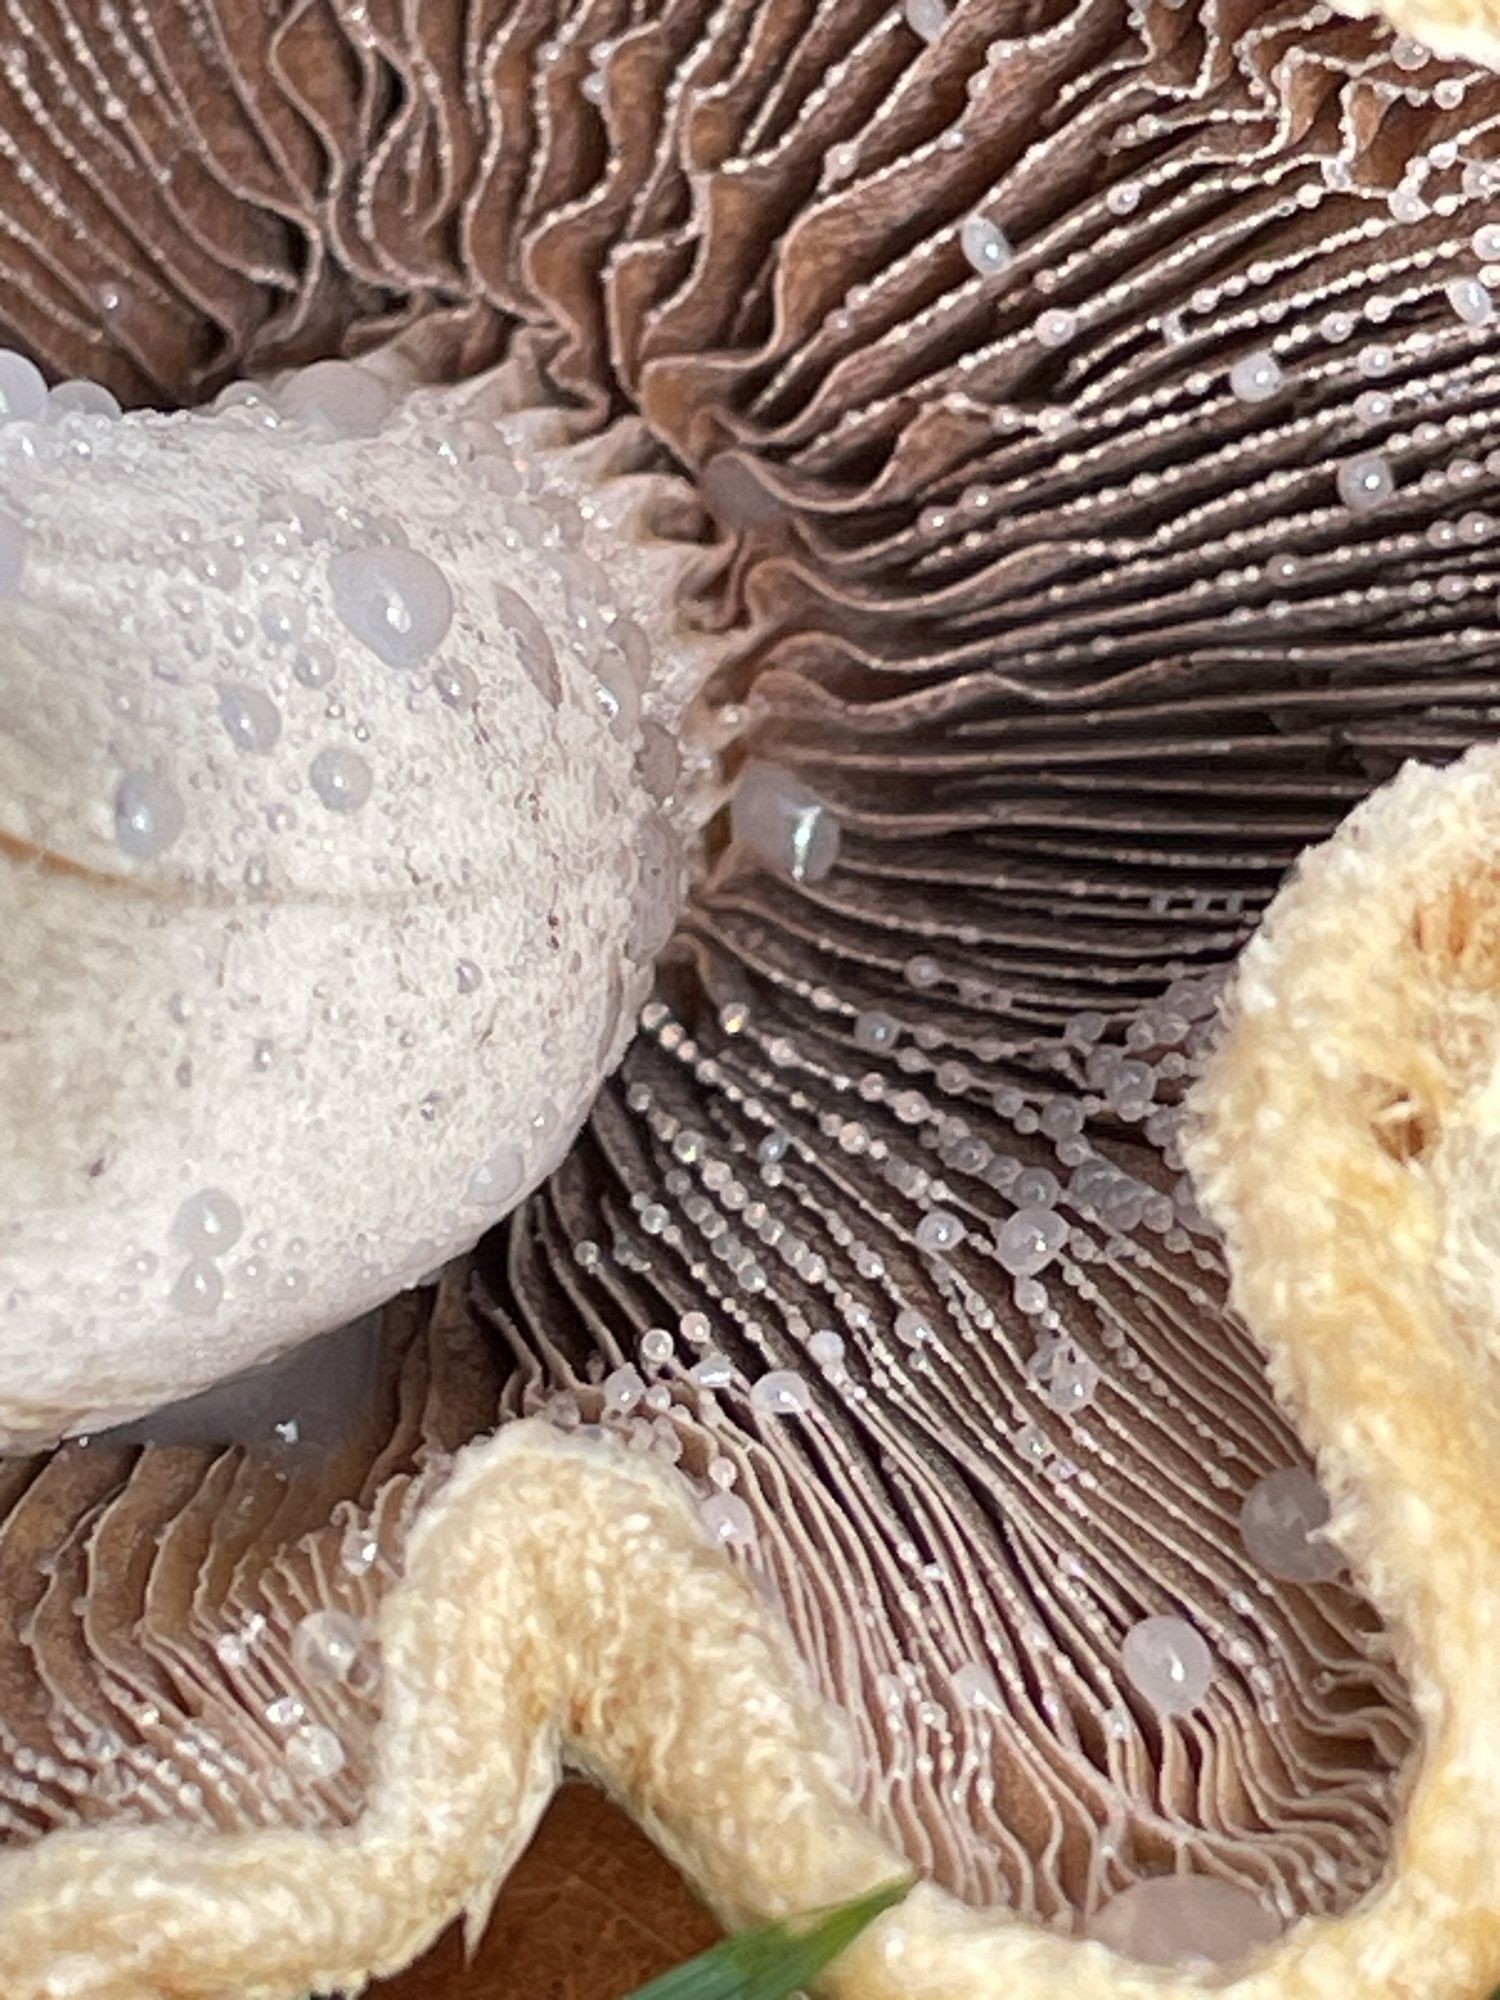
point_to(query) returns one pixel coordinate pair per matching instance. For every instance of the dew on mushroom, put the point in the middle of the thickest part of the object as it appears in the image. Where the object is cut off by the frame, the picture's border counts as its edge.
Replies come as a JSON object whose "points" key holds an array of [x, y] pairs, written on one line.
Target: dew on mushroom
{"points": [[341, 779], [396, 600], [23, 388], [985, 245], [1190, 1921], [339, 393], [1279, 1521], [208, 1223], [327, 1646], [250, 717], [149, 814], [1168, 1662], [1256, 377], [784, 823], [1365, 482], [83, 398]]}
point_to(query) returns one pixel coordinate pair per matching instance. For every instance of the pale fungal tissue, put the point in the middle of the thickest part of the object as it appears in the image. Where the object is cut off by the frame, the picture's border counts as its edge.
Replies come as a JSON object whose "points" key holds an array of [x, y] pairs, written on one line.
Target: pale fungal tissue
{"points": [[749, 836], [338, 795]]}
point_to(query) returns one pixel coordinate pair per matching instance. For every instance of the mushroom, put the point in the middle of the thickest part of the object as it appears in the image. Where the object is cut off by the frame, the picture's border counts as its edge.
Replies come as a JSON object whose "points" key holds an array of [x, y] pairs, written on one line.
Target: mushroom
{"points": [[334, 810], [850, 1454]]}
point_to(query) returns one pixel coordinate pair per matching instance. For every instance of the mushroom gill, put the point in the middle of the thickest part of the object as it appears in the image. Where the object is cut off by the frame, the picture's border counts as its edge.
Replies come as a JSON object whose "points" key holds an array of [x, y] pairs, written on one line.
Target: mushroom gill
{"points": [[1096, 406]]}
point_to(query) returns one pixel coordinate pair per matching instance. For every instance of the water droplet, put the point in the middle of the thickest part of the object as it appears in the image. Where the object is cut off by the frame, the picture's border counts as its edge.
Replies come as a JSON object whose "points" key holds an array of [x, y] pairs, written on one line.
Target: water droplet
{"points": [[1029, 1241], [327, 1646], [283, 620], [781, 1393], [976, 1686], [1471, 301], [457, 685], [23, 387], [1486, 242], [199, 1289], [1365, 482], [784, 823], [876, 1031], [985, 245], [339, 393], [533, 647], [341, 779], [149, 814], [468, 975], [623, 1389], [1184, 1921], [1073, 1380], [498, 1178], [250, 716], [314, 664], [714, 1371], [940, 1230], [82, 398], [314, 1751], [1167, 1661], [396, 601], [209, 1223], [1255, 377], [926, 18], [1056, 327], [1280, 1514], [728, 1520]]}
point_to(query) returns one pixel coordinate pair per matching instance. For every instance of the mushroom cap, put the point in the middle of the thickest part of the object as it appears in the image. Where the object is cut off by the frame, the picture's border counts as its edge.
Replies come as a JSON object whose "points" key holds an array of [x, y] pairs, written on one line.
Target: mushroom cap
{"points": [[327, 864]]}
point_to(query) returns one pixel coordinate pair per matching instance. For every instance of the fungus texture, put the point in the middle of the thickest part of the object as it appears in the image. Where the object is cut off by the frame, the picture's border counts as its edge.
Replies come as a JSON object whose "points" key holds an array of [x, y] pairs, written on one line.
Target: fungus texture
{"points": [[853, 1452], [338, 839]]}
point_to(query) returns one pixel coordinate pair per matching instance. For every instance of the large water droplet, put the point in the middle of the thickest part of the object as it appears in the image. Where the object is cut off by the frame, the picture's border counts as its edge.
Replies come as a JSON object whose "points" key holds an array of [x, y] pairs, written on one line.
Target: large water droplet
{"points": [[1280, 1513], [149, 814], [23, 387], [985, 245], [788, 826], [1256, 377], [83, 398], [198, 1289], [728, 1520], [781, 1393], [341, 779], [1029, 1241], [498, 1177], [396, 601], [1365, 482], [1168, 1662], [533, 647], [326, 1646], [209, 1223], [251, 717], [339, 393], [1183, 1921]]}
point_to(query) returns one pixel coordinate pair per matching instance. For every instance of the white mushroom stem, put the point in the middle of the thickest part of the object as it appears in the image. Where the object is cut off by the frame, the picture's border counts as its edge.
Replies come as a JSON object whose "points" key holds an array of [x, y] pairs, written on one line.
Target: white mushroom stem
{"points": [[340, 821]]}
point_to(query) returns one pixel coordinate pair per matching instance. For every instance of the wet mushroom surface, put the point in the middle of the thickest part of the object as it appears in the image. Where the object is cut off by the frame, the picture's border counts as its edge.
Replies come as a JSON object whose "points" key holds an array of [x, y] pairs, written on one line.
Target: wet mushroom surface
{"points": [[1076, 439]]}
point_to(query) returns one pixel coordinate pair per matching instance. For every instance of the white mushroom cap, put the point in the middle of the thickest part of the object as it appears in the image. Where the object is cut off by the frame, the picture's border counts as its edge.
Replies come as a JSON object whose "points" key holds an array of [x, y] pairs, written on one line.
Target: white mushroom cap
{"points": [[330, 862]]}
